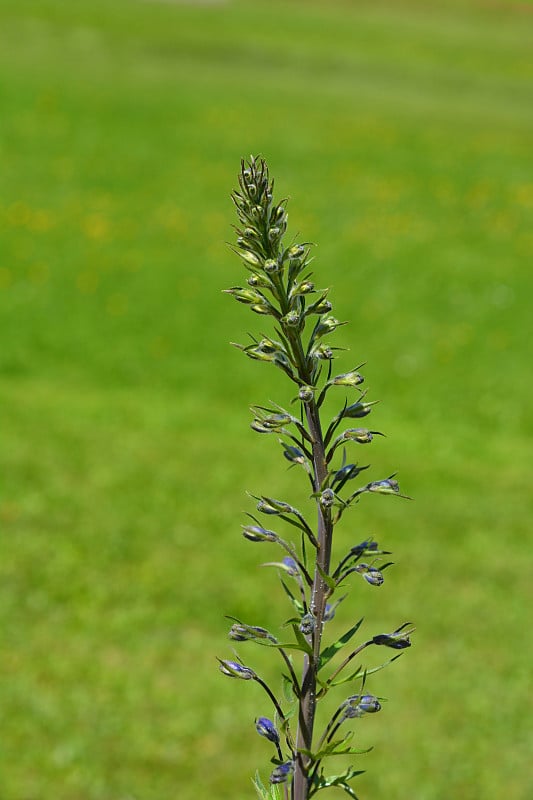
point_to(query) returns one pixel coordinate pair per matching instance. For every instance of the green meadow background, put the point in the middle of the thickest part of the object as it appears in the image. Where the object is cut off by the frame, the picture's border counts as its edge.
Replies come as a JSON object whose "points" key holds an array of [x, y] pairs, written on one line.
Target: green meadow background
{"points": [[402, 132]]}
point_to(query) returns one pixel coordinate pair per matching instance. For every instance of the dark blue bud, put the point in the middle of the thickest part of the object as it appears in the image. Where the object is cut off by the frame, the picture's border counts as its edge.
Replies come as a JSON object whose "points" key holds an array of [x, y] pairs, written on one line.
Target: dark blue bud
{"points": [[369, 704], [329, 612], [235, 670], [238, 633], [397, 640], [348, 472], [254, 533], [373, 577], [291, 567], [358, 705], [293, 454], [363, 547], [357, 410], [282, 773], [265, 727]]}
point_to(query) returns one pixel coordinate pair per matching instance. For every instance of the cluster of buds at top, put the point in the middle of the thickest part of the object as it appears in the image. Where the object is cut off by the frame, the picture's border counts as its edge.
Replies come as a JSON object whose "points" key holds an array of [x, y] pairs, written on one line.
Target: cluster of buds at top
{"points": [[278, 284]]}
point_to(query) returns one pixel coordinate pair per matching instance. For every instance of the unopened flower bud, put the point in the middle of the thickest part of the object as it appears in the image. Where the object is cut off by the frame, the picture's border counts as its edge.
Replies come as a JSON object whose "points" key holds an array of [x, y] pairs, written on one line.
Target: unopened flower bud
{"points": [[357, 410], [273, 233], [307, 624], [271, 266], [323, 352], [247, 296], [348, 379], [329, 612], [262, 308], [242, 633], [323, 307], [296, 251], [369, 704], [258, 281], [306, 394], [293, 454], [275, 421], [396, 640], [291, 566], [327, 325], [371, 575], [305, 287], [269, 506], [360, 435], [282, 773], [387, 486], [235, 670], [292, 319], [251, 258], [265, 727], [327, 498], [358, 705], [254, 533]]}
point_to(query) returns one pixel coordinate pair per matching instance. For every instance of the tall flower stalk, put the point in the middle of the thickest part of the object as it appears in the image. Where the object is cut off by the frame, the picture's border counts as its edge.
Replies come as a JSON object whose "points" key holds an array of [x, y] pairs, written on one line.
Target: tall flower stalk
{"points": [[279, 286]]}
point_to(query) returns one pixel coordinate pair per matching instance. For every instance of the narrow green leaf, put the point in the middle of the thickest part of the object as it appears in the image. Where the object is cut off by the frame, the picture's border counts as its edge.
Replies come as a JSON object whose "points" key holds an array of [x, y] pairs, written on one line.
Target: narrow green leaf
{"points": [[328, 580], [330, 651], [338, 780], [288, 690], [359, 672], [296, 603], [302, 641], [262, 792]]}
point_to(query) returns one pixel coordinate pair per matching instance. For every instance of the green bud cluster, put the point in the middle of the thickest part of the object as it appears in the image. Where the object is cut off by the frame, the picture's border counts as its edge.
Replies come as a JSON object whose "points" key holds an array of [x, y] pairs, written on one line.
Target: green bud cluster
{"points": [[279, 282]]}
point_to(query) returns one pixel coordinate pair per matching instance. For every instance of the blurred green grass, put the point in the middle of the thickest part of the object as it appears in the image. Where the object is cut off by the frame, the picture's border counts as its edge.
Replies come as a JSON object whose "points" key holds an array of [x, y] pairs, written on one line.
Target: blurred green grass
{"points": [[402, 133]]}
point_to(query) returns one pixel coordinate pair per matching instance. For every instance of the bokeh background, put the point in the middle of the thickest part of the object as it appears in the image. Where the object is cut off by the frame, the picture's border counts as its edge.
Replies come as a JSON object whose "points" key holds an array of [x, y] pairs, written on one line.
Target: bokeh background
{"points": [[402, 132]]}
